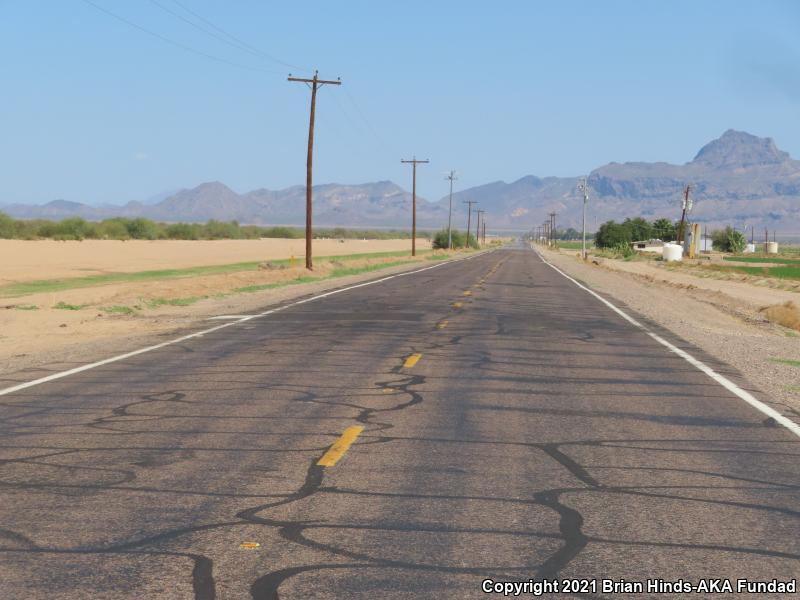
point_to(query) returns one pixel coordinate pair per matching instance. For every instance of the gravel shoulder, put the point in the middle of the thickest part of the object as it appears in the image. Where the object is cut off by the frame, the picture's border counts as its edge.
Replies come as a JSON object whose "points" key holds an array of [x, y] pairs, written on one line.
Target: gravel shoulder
{"points": [[720, 317]]}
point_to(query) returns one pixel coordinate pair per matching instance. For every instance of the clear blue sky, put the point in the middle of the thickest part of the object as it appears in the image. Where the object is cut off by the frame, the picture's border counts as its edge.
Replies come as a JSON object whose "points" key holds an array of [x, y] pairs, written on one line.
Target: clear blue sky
{"points": [[95, 110]]}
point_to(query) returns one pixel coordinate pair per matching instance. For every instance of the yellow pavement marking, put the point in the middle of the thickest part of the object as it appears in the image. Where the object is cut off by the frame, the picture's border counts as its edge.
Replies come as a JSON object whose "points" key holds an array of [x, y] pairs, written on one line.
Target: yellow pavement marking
{"points": [[457, 304], [441, 324], [387, 390], [468, 293], [412, 360], [340, 446], [249, 545]]}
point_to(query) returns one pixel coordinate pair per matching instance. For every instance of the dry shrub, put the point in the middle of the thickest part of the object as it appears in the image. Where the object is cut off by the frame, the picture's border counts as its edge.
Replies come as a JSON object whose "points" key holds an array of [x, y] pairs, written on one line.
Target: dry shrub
{"points": [[787, 314]]}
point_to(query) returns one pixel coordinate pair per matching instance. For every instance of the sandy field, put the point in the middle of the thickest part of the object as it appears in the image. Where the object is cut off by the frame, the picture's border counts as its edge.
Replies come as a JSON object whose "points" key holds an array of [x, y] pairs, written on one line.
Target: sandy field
{"points": [[721, 317], [25, 260]]}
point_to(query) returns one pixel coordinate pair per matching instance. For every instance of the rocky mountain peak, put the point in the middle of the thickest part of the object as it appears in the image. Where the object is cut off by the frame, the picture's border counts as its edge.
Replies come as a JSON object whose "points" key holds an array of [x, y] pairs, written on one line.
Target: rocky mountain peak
{"points": [[736, 149]]}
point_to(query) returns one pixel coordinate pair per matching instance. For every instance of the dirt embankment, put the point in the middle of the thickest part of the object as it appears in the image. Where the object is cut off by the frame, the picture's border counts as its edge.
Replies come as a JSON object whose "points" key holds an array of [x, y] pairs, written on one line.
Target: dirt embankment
{"points": [[723, 318]]}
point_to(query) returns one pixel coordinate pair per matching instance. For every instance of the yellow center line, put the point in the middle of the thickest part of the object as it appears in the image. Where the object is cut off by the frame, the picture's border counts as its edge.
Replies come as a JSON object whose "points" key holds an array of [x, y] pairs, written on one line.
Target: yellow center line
{"points": [[340, 446], [441, 324], [468, 293], [457, 304], [412, 360]]}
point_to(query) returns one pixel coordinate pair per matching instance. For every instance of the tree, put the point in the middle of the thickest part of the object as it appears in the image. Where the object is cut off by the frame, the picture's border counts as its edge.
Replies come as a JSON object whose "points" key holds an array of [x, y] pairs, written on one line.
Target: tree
{"points": [[664, 229], [612, 234], [728, 240], [640, 229]]}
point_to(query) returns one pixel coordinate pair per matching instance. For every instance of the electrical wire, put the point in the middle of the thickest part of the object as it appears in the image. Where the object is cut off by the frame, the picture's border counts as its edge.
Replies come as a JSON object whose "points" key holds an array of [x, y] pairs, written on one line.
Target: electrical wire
{"points": [[241, 44], [173, 42]]}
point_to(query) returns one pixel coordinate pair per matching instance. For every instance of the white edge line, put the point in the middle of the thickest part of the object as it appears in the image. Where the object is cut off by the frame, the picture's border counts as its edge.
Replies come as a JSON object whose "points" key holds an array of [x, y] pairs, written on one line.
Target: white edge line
{"points": [[113, 359], [698, 364]]}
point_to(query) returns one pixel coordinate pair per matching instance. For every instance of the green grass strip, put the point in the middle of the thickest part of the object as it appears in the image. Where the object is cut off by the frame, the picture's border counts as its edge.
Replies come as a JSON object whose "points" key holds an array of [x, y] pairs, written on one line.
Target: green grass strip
{"points": [[122, 310], [26, 307], [786, 361], [756, 259], [777, 272], [65, 306]]}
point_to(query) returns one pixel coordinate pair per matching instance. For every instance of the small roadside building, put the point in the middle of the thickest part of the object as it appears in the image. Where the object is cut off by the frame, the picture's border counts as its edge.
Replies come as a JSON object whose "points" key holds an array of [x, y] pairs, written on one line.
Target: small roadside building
{"points": [[655, 246]]}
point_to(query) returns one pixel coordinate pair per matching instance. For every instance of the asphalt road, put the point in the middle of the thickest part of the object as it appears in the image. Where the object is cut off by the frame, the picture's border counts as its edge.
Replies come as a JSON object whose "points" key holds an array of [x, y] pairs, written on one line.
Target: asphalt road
{"points": [[538, 435]]}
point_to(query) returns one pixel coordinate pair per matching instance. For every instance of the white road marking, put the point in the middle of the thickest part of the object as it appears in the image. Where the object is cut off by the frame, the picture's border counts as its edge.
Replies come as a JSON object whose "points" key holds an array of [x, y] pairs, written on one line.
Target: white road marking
{"points": [[199, 334], [227, 317], [700, 365]]}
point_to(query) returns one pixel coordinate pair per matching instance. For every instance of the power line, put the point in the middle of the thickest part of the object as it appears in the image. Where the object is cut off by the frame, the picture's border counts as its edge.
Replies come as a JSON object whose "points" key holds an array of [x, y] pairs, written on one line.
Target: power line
{"points": [[172, 42], [232, 39]]}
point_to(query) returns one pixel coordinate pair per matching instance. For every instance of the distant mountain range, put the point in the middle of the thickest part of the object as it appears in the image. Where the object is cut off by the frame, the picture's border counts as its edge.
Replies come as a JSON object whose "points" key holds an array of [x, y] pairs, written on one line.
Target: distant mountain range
{"points": [[737, 178]]}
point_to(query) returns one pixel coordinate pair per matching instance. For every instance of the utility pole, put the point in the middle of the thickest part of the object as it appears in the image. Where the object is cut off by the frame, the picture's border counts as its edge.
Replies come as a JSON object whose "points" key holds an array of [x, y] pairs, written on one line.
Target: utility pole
{"points": [[469, 217], [484, 231], [583, 188], [452, 177], [315, 84], [414, 162], [552, 228], [686, 206], [478, 227]]}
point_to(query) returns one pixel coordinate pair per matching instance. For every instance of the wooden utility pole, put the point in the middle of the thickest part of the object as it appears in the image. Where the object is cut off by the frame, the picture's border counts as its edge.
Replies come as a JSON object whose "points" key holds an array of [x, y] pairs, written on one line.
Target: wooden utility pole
{"points": [[314, 83], [583, 187], [469, 217], [414, 162], [552, 228], [452, 177], [478, 226], [686, 206], [484, 231]]}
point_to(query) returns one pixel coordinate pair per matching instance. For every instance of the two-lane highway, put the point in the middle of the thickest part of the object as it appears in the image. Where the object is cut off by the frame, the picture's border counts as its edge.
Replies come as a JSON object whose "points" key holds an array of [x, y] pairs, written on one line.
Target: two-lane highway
{"points": [[484, 419]]}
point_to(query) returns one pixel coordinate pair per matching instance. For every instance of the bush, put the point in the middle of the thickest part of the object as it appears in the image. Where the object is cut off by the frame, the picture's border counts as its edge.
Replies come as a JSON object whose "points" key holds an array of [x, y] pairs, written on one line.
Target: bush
{"points": [[184, 231], [728, 240], [142, 229], [283, 232], [113, 229], [459, 239], [8, 229], [222, 230]]}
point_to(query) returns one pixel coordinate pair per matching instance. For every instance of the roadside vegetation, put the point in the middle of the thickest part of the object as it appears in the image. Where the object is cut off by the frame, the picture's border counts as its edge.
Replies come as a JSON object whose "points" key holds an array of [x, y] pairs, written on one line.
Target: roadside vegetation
{"points": [[121, 228], [459, 239]]}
